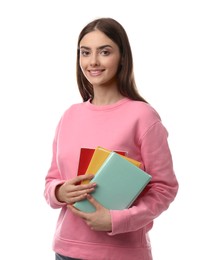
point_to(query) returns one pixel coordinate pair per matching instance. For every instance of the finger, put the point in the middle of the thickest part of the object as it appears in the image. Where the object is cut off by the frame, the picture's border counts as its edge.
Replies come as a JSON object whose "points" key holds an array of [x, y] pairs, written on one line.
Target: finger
{"points": [[79, 192], [86, 177], [84, 188], [74, 198], [93, 201], [78, 179]]}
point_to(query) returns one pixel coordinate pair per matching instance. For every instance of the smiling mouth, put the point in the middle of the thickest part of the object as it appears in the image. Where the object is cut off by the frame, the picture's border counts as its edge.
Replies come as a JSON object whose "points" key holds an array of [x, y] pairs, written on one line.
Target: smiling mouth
{"points": [[95, 72]]}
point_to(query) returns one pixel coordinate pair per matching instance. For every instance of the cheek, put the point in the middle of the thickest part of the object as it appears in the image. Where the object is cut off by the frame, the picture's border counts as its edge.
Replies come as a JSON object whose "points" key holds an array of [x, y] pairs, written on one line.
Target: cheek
{"points": [[114, 71], [114, 68]]}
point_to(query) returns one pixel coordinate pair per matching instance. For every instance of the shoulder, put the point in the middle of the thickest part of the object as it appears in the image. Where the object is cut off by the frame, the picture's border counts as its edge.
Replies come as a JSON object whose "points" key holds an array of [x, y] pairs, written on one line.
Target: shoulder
{"points": [[144, 111], [73, 108], [145, 118], [148, 121]]}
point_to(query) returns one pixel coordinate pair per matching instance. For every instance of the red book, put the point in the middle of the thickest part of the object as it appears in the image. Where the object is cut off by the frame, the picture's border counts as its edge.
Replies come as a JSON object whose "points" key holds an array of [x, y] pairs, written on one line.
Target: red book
{"points": [[85, 158]]}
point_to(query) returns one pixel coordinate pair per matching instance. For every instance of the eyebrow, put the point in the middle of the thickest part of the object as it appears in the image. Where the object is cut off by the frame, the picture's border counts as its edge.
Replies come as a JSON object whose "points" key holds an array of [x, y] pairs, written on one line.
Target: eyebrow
{"points": [[99, 48]]}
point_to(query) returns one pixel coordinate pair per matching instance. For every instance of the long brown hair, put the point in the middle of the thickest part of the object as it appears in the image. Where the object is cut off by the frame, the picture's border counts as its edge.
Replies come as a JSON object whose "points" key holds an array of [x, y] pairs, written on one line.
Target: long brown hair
{"points": [[126, 82]]}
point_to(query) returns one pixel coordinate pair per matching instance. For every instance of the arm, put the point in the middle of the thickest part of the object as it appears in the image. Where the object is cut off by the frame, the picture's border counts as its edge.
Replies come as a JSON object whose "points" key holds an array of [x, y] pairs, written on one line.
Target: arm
{"points": [[159, 193], [53, 179], [59, 192]]}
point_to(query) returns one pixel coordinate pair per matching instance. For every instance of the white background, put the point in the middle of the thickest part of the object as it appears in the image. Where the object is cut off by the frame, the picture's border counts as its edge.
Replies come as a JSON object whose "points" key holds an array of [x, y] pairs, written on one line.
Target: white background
{"points": [[177, 66]]}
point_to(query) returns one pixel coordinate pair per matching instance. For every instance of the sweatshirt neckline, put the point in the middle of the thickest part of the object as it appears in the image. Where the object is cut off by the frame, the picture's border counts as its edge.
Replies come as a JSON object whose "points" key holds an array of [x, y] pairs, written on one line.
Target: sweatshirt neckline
{"points": [[106, 107]]}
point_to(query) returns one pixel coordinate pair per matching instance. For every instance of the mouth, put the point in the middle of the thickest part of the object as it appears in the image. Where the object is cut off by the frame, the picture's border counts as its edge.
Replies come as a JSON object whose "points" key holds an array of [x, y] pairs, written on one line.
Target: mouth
{"points": [[95, 72]]}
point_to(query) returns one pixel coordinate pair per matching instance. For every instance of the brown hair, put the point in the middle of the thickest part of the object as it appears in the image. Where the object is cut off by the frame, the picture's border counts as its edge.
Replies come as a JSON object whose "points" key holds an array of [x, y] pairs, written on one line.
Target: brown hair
{"points": [[126, 82]]}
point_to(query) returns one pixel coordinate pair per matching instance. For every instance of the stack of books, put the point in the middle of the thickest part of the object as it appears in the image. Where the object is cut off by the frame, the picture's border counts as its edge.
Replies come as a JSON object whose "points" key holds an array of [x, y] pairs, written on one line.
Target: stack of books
{"points": [[119, 179]]}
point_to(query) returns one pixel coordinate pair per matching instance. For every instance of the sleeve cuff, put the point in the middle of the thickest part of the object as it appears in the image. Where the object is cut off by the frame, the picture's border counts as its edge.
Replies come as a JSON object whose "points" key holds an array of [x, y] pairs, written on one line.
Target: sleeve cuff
{"points": [[54, 202], [119, 221]]}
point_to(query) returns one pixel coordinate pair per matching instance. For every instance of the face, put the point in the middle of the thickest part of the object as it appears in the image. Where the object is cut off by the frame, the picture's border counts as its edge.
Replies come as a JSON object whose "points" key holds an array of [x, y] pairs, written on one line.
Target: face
{"points": [[99, 59]]}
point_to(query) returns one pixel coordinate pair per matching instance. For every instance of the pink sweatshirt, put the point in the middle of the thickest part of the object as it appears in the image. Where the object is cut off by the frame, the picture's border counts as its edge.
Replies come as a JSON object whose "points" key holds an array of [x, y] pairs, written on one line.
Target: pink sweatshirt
{"points": [[131, 126]]}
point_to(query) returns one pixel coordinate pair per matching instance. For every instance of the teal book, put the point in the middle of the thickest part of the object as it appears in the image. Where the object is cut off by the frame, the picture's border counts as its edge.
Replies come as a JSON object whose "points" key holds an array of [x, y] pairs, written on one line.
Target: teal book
{"points": [[119, 183]]}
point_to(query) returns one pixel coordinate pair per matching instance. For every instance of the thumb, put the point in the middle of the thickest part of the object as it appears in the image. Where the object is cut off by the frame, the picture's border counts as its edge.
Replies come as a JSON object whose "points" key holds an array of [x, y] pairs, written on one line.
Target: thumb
{"points": [[93, 201]]}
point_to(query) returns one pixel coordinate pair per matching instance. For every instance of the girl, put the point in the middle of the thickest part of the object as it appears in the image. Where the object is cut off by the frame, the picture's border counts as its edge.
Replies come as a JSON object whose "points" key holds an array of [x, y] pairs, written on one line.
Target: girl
{"points": [[112, 115]]}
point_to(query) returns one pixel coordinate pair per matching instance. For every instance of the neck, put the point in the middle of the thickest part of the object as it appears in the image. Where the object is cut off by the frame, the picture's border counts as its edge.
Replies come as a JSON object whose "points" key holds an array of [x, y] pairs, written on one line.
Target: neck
{"points": [[106, 98], [106, 94]]}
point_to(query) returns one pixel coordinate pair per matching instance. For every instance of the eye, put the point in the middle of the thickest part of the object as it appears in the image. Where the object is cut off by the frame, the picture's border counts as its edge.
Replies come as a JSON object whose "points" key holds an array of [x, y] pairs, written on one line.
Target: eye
{"points": [[105, 52], [84, 53]]}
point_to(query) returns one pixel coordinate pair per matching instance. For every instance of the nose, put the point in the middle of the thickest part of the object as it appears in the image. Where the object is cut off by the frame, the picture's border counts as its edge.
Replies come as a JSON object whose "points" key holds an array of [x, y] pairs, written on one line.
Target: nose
{"points": [[94, 61]]}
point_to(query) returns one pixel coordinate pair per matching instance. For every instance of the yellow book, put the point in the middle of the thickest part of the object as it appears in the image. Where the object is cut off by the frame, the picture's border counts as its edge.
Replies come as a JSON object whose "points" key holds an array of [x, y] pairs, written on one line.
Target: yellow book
{"points": [[99, 156]]}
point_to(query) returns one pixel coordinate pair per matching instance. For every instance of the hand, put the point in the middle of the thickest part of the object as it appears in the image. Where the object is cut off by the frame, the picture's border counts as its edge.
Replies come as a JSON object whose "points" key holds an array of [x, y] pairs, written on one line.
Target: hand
{"points": [[100, 220], [71, 191]]}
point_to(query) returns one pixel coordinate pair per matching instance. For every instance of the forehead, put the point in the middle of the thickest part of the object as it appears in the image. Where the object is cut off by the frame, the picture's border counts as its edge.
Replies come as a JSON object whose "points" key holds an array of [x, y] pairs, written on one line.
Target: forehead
{"points": [[96, 39]]}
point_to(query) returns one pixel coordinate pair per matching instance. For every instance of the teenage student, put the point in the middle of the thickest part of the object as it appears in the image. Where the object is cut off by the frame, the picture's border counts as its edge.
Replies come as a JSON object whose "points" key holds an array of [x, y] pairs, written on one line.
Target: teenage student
{"points": [[115, 116]]}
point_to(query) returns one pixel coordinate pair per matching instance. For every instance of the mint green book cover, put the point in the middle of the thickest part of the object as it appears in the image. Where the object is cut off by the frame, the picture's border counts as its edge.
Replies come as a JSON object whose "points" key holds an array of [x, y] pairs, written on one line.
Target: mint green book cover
{"points": [[119, 183]]}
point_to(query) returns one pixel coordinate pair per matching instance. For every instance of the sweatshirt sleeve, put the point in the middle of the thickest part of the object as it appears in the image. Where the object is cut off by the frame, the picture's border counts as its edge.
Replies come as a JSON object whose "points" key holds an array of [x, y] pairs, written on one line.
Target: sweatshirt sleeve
{"points": [[53, 178], [159, 193]]}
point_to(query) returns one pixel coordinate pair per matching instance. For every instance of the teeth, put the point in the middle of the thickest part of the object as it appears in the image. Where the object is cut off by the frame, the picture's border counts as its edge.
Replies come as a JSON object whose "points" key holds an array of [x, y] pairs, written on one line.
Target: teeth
{"points": [[95, 72]]}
